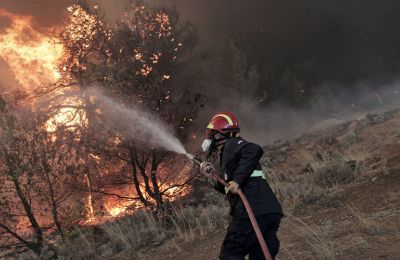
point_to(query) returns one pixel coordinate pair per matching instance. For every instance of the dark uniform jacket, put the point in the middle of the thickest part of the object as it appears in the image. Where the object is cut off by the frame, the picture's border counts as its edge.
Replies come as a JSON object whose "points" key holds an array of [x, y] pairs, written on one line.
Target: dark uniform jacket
{"points": [[238, 160]]}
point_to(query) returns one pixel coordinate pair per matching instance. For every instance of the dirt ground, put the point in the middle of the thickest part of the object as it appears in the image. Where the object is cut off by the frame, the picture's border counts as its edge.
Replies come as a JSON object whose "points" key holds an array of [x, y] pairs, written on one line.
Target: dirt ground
{"points": [[359, 221], [336, 212]]}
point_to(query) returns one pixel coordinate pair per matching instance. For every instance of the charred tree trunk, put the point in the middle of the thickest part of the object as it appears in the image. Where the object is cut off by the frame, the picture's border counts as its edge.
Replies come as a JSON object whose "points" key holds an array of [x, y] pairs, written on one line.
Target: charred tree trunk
{"points": [[132, 160], [53, 202], [37, 246], [154, 167], [89, 209]]}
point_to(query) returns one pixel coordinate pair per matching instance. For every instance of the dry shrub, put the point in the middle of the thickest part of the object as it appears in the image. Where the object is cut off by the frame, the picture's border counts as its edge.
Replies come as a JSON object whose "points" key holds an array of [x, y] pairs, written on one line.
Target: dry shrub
{"points": [[127, 236], [191, 223], [294, 190], [82, 246], [134, 232], [336, 173], [188, 223]]}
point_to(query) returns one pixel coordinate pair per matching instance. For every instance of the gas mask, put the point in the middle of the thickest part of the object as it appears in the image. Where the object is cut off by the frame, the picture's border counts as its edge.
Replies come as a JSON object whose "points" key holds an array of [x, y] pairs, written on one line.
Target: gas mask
{"points": [[212, 143], [206, 145]]}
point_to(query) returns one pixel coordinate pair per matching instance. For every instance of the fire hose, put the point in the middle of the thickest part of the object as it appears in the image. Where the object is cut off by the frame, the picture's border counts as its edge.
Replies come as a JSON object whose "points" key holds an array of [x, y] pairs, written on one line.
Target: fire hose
{"points": [[208, 168]]}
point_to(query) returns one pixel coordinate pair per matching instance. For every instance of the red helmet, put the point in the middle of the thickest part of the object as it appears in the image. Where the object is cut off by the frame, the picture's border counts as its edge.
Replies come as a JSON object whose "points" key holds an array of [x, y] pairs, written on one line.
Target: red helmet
{"points": [[223, 122]]}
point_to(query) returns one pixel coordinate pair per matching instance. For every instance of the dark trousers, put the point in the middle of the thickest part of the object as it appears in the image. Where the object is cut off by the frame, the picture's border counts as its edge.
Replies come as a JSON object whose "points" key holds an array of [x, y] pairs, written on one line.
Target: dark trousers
{"points": [[241, 240]]}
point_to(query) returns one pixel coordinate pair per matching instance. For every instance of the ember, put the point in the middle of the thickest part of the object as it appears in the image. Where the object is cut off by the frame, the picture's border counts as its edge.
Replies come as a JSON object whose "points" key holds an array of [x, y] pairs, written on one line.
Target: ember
{"points": [[92, 157]]}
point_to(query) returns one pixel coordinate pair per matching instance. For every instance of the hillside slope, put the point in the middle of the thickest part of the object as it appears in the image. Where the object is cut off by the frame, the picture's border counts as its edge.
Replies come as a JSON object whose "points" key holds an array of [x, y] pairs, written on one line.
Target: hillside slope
{"points": [[341, 190], [359, 222]]}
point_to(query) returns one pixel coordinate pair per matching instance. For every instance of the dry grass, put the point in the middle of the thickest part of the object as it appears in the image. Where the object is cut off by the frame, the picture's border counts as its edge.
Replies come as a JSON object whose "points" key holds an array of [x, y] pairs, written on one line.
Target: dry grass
{"points": [[314, 237], [191, 223], [294, 191], [134, 232], [311, 171], [125, 237], [363, 219], [83, 246], [304, 178]]}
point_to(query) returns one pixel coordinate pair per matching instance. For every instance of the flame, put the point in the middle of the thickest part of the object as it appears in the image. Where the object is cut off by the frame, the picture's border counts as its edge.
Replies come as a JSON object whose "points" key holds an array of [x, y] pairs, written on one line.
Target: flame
{"points": [[68, 116], [37, 59], [116, 209], [32, 56]]}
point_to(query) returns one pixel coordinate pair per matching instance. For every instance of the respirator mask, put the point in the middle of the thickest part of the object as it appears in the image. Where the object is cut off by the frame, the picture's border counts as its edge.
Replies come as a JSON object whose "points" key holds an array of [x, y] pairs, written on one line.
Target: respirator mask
{"points": [[214, 140], [206, 145]]}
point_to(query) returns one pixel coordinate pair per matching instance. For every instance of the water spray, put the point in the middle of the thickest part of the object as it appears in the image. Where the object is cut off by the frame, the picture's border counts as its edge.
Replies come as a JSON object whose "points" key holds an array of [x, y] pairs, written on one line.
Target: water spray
{"points": [[208, 169], [143, 126]]}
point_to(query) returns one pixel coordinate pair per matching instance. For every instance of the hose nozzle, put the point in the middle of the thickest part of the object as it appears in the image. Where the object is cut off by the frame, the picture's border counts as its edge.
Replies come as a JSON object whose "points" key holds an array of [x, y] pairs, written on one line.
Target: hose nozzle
{"points": [[205, 167]]}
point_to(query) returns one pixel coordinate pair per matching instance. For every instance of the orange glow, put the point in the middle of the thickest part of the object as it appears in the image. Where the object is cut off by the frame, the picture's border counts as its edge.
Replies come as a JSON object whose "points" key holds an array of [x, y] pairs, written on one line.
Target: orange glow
{"points": [[119, 208], [35, 58], [81, 30], [32, 56], [38, 60], [67, 116]]}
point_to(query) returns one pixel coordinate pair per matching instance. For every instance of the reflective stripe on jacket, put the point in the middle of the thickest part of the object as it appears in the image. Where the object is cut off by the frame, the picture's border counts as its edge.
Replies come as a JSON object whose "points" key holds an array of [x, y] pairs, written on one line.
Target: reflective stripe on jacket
{"points": [[240, 163]]}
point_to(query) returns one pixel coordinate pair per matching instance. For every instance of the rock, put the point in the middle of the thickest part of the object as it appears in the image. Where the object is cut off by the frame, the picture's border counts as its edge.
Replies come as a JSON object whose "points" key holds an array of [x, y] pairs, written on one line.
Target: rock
{"points": [[372, 119], [374, 179], [350, 136], [390, 114], [379, 119], [348, 171]]}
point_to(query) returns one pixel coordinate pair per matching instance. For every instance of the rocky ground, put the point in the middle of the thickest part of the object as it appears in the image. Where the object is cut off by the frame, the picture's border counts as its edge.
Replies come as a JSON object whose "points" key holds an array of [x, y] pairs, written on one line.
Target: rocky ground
{"points": [[340, 187]]}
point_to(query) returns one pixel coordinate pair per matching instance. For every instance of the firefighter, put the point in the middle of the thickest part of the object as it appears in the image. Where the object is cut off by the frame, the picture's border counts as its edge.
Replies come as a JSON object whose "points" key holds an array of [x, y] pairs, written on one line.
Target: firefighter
{"points": [[240, 166]]}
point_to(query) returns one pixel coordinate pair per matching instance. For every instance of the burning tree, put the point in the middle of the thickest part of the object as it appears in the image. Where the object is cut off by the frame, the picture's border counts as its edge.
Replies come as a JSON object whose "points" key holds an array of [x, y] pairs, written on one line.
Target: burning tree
{"points": [[37, 171], [139, 62]]}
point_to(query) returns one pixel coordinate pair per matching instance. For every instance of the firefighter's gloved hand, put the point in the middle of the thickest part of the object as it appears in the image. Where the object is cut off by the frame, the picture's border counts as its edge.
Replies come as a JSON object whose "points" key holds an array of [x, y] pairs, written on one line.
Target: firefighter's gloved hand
{"points": [[233, 187]]}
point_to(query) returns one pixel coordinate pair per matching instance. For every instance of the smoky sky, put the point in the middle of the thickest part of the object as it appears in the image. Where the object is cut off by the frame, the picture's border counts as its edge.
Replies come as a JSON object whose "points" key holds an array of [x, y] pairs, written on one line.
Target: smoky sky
{"points": [[299, 47], [311, 55], [346, 40]]}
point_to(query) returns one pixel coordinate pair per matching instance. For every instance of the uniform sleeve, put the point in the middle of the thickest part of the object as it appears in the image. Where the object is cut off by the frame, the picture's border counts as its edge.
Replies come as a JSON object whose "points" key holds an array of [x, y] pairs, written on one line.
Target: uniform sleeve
{"points": [[219, 187], [249, 156]]}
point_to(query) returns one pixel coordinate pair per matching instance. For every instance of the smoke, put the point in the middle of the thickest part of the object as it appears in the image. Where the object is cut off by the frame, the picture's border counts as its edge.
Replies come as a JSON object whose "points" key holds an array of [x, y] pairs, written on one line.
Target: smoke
{"points": [[314, 41], [136, 124], [266, 124], [344, 56]]}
